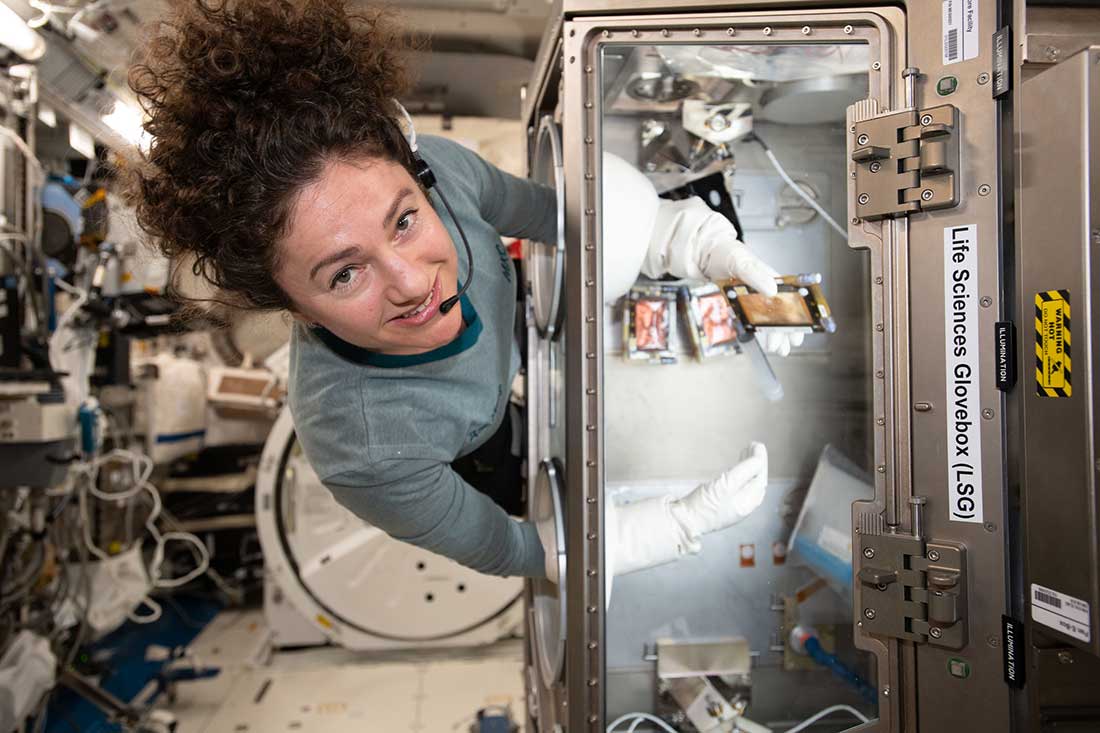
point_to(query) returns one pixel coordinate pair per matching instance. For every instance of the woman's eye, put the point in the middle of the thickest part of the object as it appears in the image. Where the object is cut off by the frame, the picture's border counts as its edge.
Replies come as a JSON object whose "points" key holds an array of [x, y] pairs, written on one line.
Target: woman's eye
{"points": [[342, 278], [405, 221]]}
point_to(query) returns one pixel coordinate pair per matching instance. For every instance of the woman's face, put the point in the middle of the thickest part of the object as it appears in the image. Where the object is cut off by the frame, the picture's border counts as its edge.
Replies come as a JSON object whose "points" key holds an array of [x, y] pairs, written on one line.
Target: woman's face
{"points": [[367, 257]]}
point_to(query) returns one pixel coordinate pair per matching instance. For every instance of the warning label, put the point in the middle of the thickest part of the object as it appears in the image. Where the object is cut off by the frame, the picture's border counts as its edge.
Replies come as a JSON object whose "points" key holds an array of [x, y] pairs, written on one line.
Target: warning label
{"points": [[1053, 363]]}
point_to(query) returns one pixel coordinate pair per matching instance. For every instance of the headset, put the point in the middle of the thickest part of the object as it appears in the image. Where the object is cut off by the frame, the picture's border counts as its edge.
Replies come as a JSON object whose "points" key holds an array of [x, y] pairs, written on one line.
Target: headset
{"points": [[427, 179]]}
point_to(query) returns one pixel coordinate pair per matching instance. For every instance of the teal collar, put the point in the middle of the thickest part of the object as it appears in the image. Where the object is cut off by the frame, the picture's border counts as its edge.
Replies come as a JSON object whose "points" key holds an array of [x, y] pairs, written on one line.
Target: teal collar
{"points": [[359, 355]]}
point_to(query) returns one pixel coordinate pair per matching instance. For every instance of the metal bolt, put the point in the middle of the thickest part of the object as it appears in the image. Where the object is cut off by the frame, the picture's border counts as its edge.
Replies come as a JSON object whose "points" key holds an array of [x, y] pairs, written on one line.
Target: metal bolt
{"points": [[993, 641], [886, 691], [879, 327], [588, 69], [1051, 53], [767, 30], [933, 555], [606, 34], [852, 174], [876, 167], [986, 301], [881, 468], [869, 612], [593, 683], [926, 194], [591, 609], [880, 373], [591, 500], [852, 128], [868, 552], [863, 139], [880, 421], [922, 406], [882, 586], [591, 573], [855, 220], [987, 414], [878, 280], [634, 33], [593, 719], [591, 535], [935, 633], [864, 198], [1065, 657], [848, 29], [572, 59], [926, 120], [697, 32], [730, 31], [876, 66], [593, 645], [984, 189], [983, 78], [664, 32], [806, 30], [990, 527]]}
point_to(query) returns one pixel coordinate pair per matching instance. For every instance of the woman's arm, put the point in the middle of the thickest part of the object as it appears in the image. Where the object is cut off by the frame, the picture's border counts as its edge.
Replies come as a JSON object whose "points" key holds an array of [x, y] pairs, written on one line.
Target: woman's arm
{"points": [[427, 504]]}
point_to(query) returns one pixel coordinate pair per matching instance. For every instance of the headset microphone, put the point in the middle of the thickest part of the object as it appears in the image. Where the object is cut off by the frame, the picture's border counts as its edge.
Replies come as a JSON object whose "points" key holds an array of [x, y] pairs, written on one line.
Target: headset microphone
{"points": [[426, 177]]}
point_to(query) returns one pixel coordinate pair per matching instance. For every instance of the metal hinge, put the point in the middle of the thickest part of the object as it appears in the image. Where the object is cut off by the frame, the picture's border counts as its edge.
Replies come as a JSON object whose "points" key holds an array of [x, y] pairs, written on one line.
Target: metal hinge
{"points": [[910, 588], [906, 162]]}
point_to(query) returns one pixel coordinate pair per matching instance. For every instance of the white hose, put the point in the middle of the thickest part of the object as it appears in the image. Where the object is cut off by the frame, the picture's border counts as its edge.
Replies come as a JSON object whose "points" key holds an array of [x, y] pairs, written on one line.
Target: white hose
{"points": [[801, 192], [637, 717], [827, 711]]}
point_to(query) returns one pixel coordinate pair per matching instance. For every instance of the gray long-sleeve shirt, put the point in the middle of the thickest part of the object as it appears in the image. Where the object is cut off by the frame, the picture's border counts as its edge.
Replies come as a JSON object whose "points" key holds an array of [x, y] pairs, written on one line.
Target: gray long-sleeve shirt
{"points": [[381, 431]]}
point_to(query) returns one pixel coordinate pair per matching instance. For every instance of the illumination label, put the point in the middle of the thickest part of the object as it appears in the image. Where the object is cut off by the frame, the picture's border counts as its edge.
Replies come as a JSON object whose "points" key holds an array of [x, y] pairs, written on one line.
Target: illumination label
{"points": [[964, 449]]}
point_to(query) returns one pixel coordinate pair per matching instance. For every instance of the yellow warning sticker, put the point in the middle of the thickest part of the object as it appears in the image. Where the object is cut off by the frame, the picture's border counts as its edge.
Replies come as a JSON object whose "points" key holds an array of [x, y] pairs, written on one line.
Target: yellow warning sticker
{"points": [[1053, 364]]}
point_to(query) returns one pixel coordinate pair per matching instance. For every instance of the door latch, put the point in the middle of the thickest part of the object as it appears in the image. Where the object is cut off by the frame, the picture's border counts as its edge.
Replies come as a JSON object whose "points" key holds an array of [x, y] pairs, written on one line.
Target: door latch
{"points": [[910, 588], [905, 162]]}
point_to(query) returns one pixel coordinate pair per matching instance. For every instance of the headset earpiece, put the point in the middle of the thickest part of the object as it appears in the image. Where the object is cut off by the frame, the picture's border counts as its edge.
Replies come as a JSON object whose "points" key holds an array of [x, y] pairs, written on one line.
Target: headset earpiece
{"points": [[423, 172]]}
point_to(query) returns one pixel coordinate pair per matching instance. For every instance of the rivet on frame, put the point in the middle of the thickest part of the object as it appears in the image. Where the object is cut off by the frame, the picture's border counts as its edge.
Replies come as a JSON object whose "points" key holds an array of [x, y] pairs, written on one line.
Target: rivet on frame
{"points": [[880, 421], [848, 30], [589, 212], [593, 719], [591, 535], [591, 609], [606, 34], [697, 32], [593, 645], [731, 31], [591, 573], [590, 283], [593, 682], [806, 30], [879, 327], [590, 319], [588, 105], [588, 176], [590, 355], [664, 32], [588, 69], [880, 374], [876, 66], [591, 464], [590, 247], [881, 468], [767, 30], [590, 428], [588, 141], [634, 33], [591, 500], [878, 280]]}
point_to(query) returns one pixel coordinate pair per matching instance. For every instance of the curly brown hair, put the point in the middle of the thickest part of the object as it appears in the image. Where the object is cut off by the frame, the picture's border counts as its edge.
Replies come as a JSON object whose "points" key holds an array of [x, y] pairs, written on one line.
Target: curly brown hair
{"points": [[247, 100]]}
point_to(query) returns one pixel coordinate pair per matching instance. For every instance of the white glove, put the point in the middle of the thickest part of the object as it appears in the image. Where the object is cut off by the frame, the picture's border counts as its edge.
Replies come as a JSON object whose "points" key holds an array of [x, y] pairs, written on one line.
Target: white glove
{"points": [[778, 342], [651, 532], [692, 241]]}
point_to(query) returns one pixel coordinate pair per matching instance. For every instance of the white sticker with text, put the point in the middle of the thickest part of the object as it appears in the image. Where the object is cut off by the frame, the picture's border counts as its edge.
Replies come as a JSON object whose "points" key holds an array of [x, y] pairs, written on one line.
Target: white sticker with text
{"points": [[960, 30], [964, 448], [1062, 612]]}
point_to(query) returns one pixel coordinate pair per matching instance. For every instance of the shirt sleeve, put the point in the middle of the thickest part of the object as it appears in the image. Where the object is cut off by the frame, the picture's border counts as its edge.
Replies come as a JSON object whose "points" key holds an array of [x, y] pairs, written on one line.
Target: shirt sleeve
{"points": [[427, 504], [515, 207]]}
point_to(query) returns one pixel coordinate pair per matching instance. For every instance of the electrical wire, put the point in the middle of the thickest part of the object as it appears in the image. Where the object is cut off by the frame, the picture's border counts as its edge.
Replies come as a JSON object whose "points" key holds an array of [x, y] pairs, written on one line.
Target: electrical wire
{"points": [[638, 717], [798, 189], [828, 711]]}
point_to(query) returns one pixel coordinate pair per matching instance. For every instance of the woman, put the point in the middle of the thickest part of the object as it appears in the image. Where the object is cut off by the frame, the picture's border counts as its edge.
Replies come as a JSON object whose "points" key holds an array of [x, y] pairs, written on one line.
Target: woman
{"points": [[278, 162]]}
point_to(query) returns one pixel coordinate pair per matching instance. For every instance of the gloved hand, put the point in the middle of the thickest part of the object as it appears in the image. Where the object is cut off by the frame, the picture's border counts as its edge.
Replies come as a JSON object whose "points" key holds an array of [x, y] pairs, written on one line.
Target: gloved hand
{"points": [[690, 240], [654, 531], [778, 342]]}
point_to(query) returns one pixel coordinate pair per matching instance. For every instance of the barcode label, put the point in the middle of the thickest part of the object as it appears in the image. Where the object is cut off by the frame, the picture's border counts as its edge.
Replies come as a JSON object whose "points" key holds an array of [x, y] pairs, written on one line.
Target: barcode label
{"points": [[1061, 612], [960, 30], [951, 45]]}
